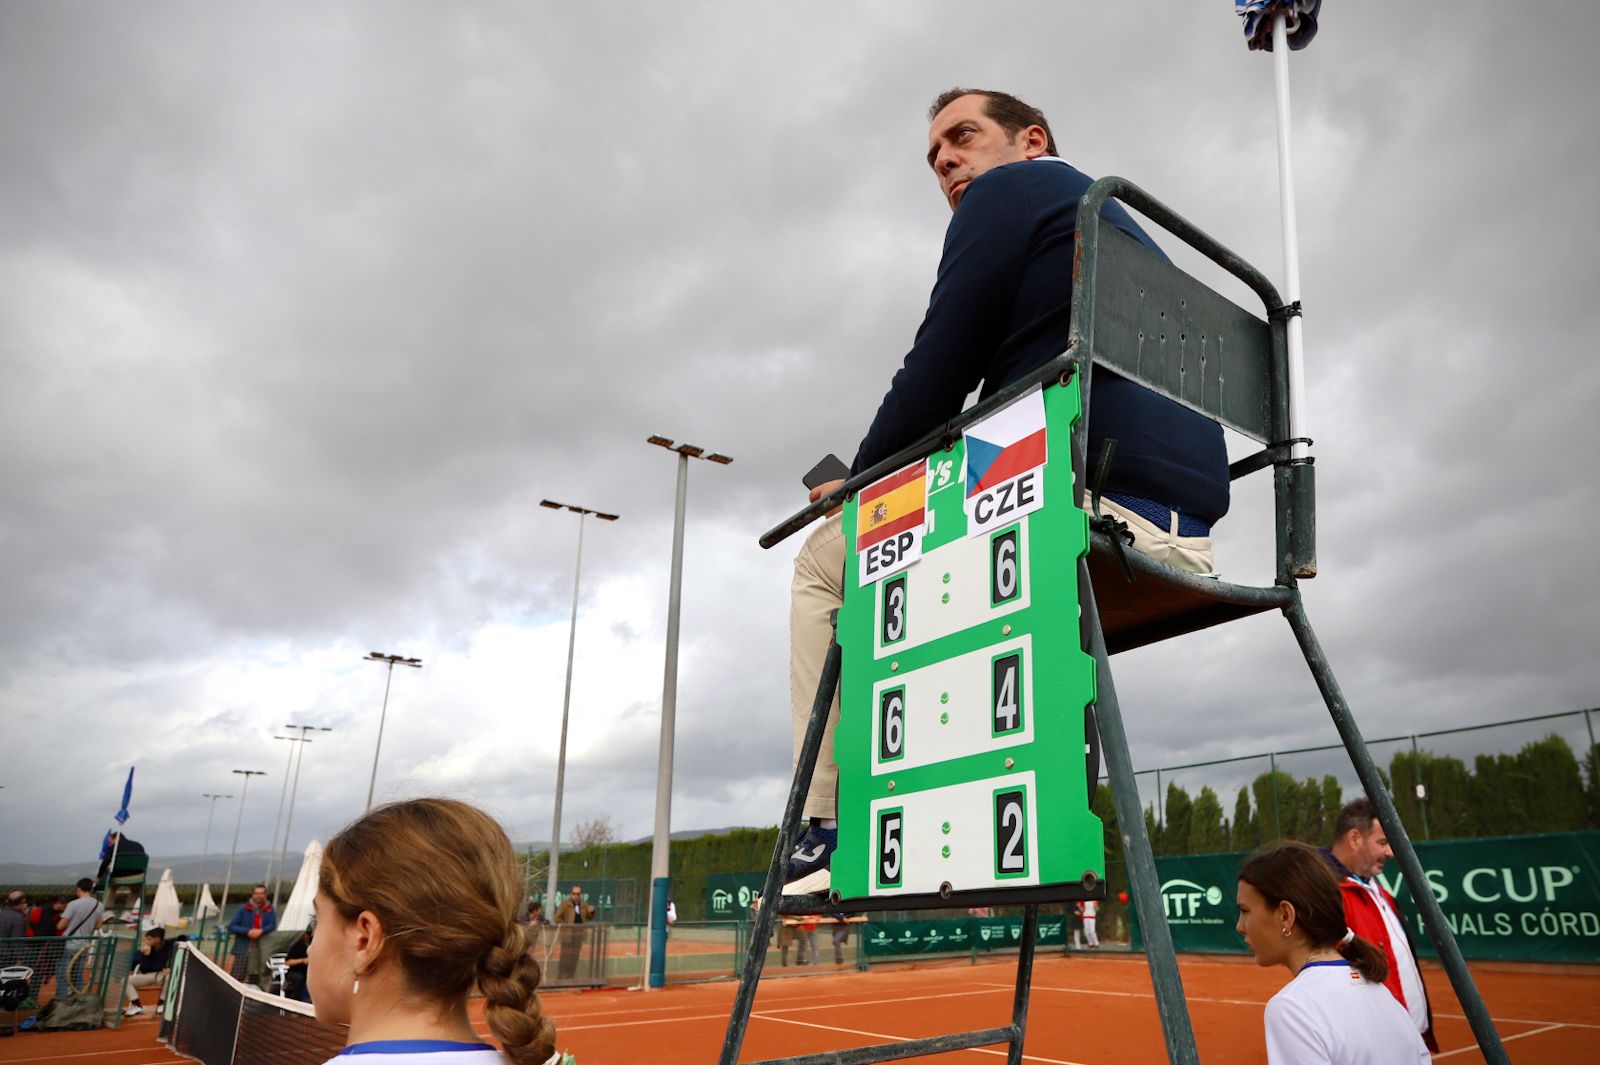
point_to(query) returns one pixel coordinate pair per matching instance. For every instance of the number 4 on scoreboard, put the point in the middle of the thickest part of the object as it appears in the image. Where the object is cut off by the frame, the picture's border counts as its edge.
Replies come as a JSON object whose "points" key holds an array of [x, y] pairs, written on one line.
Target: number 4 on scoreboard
{"points": [[889, 870], [1010, 833], [1006, 694]]}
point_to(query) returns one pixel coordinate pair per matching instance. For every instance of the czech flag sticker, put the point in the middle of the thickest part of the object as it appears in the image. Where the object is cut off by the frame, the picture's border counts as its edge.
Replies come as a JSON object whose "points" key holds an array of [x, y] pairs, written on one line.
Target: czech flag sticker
{"points": [[1005, 457]]}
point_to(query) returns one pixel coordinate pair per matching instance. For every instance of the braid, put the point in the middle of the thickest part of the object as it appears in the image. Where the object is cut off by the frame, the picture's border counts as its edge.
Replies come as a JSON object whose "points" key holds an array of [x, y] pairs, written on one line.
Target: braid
{"points": [[1367, 959], [509, 979]]}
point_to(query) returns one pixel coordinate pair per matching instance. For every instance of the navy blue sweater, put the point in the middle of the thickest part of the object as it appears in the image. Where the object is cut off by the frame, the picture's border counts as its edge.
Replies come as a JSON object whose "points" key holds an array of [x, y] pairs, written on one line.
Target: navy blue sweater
{"points": [[1001, 307]]}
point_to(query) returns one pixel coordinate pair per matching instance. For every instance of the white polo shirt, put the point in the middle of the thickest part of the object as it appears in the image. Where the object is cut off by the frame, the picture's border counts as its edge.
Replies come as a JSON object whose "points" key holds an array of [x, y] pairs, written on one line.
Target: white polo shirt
{"points": [[1330, 1015]]}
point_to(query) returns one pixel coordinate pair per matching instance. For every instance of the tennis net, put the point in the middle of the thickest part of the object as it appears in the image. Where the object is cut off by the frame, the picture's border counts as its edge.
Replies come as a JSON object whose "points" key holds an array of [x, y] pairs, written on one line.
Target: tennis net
{"points": [[216, 1020]]}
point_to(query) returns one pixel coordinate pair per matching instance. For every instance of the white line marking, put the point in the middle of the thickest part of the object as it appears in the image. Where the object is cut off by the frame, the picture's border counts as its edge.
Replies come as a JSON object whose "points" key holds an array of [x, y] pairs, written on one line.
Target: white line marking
{"points": [[907, 1039], [629, 1024], [1473, 1048], [1142, 994], [96, 1054], [851, 1003], [1521, 1020]]}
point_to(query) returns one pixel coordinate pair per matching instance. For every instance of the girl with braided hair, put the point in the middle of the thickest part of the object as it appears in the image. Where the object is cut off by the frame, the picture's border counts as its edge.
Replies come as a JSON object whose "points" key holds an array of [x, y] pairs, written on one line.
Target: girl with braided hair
{"points": [[1336, 1010], [416, 905]]}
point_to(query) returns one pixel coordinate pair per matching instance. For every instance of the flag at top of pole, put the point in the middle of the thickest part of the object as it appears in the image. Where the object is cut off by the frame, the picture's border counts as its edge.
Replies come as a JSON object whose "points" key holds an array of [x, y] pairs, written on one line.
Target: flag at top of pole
{"points": [[127, 797], [1259, 15]]}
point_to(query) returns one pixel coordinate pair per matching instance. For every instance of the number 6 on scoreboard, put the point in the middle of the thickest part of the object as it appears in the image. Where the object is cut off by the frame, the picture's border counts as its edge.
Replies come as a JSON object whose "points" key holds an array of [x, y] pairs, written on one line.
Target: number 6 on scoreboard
{"points": [[1010, 833], [891, 847], [892, 724]]}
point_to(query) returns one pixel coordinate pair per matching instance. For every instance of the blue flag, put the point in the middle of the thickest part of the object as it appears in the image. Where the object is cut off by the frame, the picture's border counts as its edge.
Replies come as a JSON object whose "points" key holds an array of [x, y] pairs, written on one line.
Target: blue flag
{"points": [[127, 796], [1259, 15]]}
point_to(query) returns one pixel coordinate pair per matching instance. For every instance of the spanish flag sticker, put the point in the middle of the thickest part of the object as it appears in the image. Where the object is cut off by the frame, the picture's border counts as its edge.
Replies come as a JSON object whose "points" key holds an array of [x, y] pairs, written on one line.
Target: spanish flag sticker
{"points": [[889, 521]]}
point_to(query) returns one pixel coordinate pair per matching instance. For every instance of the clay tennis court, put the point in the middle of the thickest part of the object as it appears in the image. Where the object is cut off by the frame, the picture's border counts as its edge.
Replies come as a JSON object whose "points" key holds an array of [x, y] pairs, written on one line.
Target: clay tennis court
{"points": [[1094, 1010]]}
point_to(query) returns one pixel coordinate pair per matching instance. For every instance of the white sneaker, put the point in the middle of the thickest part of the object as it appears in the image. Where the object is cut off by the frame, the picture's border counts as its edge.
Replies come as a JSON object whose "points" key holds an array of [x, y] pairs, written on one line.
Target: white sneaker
{"points": [[133, 1010]]}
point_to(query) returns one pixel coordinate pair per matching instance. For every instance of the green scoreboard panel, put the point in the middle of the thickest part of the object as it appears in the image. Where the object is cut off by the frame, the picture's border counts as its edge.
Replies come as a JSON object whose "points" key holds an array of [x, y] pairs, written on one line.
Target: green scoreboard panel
{"points": [[963, 687]]}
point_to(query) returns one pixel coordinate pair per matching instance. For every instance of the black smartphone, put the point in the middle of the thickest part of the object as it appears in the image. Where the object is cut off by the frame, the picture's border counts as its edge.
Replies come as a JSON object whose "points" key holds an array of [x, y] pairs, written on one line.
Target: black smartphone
{"points": [[829, 469]]}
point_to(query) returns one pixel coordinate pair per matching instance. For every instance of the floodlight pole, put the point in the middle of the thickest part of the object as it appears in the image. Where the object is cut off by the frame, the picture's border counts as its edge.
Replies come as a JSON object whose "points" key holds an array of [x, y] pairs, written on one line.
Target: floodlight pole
{"points": [[660, 851], [300, 745], [205, 848], [566, 695], [227, 882], [392, 660], [283, 793]]}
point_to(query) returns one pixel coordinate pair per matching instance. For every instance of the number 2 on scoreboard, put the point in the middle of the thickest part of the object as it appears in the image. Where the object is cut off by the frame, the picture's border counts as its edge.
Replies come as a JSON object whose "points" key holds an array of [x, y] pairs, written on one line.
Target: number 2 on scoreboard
{"points": [[890, 869], [1010, 833]]}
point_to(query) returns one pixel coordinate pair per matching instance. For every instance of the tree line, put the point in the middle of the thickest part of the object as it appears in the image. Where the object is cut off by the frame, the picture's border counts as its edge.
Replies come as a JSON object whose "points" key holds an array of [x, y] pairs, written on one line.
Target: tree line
{"points": [[1540, 788]]}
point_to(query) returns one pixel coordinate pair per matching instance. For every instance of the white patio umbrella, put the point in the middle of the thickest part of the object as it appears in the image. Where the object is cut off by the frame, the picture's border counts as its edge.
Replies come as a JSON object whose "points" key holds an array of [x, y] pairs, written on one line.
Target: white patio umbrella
{"points": [[165, 910], [206, 906], [297, 911]]}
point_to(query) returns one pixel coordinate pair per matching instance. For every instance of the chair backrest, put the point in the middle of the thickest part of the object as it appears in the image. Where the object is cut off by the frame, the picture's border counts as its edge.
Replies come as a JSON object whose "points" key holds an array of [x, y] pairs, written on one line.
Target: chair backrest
{"points": [[1137, 314], [1156, 324]]}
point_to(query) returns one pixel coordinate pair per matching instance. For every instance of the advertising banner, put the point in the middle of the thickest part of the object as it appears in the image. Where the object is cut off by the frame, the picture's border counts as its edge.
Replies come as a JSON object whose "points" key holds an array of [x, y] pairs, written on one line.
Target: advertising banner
{"points": [[901, 938], [729, 895], [1506, 898]]}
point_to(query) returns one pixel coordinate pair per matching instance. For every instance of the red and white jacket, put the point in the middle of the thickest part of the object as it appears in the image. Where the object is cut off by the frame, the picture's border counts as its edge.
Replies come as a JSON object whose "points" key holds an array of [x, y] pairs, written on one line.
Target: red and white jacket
{"points": [[1361, 916]]}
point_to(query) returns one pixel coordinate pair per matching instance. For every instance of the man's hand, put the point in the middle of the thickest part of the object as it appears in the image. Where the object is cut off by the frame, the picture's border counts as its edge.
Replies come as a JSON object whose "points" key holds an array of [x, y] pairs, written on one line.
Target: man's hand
{"points": [[255, 933], [827, 488]]}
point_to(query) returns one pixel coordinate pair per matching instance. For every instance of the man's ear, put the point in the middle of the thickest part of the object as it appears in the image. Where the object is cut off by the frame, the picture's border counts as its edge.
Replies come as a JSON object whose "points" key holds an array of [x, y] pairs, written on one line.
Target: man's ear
{"points": [[1035, 142]]}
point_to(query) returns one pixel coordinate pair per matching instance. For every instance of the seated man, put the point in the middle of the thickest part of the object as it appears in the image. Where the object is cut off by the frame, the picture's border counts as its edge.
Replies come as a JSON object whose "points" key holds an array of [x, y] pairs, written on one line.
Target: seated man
{"points": [[149, 969], [1000, 309]]}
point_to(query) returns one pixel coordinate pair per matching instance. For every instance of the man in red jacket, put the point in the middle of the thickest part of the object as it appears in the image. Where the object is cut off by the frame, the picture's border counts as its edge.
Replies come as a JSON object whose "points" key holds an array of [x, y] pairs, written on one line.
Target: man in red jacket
{"points": [[1360, 847]]}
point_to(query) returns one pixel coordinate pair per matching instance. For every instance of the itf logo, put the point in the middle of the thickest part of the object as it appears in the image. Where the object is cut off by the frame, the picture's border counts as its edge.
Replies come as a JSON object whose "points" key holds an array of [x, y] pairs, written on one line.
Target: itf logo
{"points": [[1186, 902]]}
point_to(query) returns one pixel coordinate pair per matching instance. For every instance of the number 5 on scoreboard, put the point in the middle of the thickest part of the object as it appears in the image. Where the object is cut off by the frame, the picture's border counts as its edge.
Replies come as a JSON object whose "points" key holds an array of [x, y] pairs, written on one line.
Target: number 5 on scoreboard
{"points": [[1010, 833], [890, 868]]}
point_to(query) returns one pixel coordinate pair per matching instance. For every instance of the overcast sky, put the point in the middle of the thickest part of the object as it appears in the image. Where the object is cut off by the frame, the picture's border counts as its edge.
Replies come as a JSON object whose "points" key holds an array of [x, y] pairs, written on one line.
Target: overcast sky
{"points": [[304, 309]]}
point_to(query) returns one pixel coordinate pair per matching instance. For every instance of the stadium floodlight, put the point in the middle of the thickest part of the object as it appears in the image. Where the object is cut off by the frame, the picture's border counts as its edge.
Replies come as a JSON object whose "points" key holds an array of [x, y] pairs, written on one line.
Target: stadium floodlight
{"points": [[205, 848], [227, 881], [660, 852], [566, 695], [393, 660], [299, 744]]}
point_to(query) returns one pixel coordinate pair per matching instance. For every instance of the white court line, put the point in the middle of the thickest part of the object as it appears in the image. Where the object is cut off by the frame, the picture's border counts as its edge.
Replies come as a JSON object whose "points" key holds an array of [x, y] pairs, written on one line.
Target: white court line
{"points": [[1522, 1020], [629, 1024], [96, 1054], [1473, 1048], [907, 1039], [852, 1003], [1143, 994]]}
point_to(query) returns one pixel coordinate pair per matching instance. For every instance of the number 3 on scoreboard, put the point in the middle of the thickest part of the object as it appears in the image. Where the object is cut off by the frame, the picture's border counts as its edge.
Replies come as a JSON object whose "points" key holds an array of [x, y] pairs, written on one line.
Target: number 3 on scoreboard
{"points": [[891, 847], [1010, 833], [893, 626]]}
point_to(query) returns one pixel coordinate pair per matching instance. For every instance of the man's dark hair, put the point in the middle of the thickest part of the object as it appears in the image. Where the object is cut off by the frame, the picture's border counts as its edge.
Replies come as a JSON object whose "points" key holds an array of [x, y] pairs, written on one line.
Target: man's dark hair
{"points": [[1358, 814], [1008, 112], [157, 934], [86, 885]]}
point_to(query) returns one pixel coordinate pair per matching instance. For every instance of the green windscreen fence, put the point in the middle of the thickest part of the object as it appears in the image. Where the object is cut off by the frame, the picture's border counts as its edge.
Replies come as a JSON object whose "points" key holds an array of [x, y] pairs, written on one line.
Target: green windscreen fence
{"points": [[1507, 898]]}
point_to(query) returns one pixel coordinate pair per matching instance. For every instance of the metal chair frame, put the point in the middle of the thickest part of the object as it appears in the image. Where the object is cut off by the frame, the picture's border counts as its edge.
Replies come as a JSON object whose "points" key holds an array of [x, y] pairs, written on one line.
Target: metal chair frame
{"points": [[1145, 319]]}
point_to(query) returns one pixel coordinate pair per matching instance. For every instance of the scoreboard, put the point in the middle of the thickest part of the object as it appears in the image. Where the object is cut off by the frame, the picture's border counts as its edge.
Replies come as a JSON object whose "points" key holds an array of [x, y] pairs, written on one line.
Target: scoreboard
{"points": [[963, 686]]}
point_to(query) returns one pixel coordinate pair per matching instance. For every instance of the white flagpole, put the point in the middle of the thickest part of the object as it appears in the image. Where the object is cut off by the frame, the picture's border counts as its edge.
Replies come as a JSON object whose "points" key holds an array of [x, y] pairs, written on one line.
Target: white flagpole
{"points": [[1291, 237]]}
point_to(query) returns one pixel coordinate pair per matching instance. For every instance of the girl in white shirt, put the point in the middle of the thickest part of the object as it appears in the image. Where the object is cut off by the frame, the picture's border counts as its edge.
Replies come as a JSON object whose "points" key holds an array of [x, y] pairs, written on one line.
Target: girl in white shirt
{"points": [[416, 905], [1336, 1010]]}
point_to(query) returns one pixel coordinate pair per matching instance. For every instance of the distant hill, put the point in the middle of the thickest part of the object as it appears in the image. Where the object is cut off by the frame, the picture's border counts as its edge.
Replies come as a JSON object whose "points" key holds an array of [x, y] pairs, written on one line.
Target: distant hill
{"points": [[247, 865]]}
